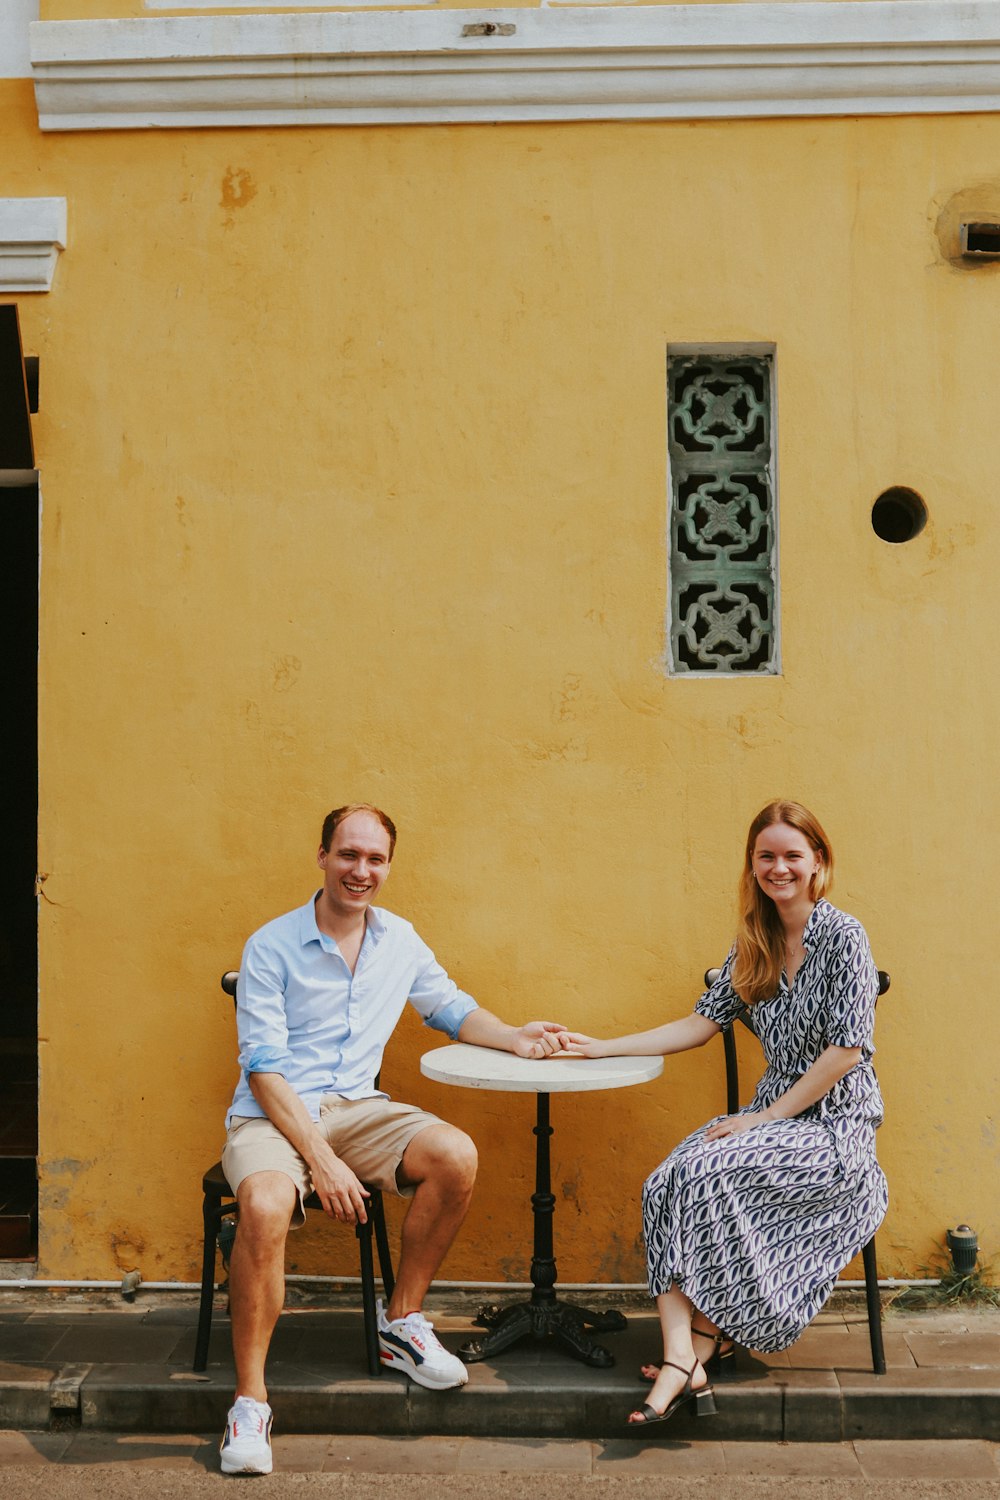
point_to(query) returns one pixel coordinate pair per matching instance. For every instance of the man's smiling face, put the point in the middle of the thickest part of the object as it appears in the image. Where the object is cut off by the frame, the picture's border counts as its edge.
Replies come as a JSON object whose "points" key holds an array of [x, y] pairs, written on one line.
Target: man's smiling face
{"points": [[356, 866]]}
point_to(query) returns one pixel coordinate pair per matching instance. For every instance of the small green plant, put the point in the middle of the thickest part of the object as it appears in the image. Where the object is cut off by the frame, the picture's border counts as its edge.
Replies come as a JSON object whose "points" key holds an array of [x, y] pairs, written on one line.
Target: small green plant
{"points": [[953, 1288]]}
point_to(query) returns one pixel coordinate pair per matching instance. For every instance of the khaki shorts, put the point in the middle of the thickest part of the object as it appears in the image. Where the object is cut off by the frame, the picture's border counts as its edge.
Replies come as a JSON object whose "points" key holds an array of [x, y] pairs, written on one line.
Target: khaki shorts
{"points": [[370, 1135]]}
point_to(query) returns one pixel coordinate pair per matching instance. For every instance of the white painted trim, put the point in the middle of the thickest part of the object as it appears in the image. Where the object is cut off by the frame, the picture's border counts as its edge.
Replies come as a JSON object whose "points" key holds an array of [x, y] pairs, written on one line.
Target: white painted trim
{"points": [[32, 233], [15, 17], [663, 62]]}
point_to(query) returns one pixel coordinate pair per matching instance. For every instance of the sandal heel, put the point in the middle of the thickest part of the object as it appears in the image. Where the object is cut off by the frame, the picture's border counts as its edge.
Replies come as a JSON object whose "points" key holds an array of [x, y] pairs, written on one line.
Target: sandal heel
{"points": [[704, 1403]]}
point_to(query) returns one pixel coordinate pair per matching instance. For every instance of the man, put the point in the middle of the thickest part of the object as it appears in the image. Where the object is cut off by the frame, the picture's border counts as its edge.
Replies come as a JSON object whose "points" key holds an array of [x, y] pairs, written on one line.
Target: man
{"points": [[320, 992]]}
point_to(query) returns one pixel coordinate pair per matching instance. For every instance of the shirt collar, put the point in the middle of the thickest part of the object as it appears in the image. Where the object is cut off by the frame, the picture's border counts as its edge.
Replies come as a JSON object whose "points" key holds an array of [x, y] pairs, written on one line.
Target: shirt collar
{"points": [[817, 921], [309, 932]]}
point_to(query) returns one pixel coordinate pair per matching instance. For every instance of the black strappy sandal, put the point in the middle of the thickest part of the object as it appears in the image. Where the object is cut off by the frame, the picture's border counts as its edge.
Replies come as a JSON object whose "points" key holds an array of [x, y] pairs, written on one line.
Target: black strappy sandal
{"points": [[703, 1398], [719, 1362]]}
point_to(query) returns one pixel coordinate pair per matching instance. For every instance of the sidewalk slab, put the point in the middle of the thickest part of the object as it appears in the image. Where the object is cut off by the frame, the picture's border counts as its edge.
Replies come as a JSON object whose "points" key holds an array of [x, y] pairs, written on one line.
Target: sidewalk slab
{"points": [[964, 1351], [974, 1467], [962, 1459], [128, 1370]]}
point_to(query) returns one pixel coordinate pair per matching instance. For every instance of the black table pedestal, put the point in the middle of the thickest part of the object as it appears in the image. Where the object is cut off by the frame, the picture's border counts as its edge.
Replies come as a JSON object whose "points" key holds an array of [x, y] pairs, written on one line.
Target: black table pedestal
{"points": [[543, 1315]]}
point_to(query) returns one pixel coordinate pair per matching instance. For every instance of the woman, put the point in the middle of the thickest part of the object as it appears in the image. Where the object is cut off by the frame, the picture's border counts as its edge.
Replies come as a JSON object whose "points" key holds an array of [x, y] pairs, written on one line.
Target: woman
{"points": [[749, 1221]]}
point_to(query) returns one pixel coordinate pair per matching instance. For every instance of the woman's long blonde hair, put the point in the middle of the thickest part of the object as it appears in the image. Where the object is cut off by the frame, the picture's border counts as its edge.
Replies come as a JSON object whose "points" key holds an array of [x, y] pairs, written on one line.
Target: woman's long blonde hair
{"points": [[760, 943]]}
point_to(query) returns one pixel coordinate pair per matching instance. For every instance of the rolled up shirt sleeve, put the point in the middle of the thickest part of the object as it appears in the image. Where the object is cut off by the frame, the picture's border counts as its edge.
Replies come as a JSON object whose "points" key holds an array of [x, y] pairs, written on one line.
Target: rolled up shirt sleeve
{"points": [[260, 1013], [437, 999]]}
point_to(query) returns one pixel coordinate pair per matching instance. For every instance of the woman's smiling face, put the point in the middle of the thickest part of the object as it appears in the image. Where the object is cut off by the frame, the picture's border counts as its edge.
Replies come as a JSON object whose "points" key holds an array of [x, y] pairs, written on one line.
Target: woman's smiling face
{"points": [[784, 863]]}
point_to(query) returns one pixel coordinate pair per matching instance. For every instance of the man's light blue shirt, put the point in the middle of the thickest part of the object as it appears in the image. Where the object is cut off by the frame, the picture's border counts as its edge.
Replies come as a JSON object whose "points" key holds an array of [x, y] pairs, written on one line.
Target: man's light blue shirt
{"points": [[301, 1012]]}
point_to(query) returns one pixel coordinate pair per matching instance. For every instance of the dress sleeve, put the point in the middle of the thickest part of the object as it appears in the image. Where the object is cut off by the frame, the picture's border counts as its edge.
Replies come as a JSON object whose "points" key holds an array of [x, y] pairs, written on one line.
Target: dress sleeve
{"points": [[853, 990], [720, 1002]]}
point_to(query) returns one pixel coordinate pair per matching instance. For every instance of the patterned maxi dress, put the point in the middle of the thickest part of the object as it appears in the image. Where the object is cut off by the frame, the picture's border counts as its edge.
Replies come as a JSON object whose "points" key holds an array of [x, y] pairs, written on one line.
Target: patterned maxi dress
{"points": [[756, 1227]]}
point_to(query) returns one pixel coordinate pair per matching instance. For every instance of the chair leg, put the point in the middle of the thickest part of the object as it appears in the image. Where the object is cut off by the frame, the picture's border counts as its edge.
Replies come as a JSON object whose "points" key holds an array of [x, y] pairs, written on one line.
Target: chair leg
{"points": [[211, 1213], [364, 1234], [382, 1241], [874, 1308]]}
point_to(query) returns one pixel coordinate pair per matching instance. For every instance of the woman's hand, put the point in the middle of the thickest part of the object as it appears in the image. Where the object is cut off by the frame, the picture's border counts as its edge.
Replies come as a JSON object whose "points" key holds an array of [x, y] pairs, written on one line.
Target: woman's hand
{"points": [[734, 1125], [578, 1044]]}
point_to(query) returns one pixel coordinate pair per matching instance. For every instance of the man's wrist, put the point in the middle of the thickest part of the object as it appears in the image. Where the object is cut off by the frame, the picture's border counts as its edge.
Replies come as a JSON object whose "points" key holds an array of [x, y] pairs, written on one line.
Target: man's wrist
{"points": [[316, 1146]]}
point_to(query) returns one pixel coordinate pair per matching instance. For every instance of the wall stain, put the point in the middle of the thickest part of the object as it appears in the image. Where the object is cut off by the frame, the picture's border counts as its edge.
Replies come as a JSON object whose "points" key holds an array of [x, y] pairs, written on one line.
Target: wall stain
{"points": [[942, 545], [127, 1251], [238, 189], [183, 519], [574, 748], [570, 1189], [286, 673], [569, 697], [748, 730]]}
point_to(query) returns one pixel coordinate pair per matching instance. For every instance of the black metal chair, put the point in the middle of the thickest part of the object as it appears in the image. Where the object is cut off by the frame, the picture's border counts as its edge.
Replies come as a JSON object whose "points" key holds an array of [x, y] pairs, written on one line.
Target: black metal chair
{"points": [[872, 1298], [219, 1203]]}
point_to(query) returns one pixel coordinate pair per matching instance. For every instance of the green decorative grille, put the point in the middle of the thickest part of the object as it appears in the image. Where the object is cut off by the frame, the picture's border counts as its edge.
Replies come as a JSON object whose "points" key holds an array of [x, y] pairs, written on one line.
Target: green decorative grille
{"points": [[722, 521]]}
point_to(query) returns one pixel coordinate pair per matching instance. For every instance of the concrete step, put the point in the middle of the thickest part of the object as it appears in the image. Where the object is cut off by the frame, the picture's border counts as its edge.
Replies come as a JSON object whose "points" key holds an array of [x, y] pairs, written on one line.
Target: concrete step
{"points": [[128, 1369]]}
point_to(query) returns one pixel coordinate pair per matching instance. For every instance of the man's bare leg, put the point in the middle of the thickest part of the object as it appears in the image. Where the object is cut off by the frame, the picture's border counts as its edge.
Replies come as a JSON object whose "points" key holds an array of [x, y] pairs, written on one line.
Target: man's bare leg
{"points": [[257, 1274], [441, 1163]]}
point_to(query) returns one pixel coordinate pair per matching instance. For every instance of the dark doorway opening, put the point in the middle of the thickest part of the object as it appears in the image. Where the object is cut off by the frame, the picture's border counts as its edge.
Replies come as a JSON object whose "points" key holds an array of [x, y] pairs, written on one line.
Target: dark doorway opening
{"points": [[18, 803], [18, 907]]}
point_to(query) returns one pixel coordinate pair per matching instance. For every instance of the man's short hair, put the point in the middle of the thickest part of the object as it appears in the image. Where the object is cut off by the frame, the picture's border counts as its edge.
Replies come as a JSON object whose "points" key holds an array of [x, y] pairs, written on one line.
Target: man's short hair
{"points": [[333, 820]]}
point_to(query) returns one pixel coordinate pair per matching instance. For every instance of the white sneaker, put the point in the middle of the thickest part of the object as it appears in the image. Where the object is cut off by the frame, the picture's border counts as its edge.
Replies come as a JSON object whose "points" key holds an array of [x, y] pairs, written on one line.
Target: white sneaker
{"points": [[246, 1443], [410, 1344]]}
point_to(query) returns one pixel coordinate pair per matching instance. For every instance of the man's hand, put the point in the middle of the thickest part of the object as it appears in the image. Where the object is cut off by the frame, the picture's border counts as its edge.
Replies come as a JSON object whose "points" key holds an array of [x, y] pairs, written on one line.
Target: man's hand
{"points": [[334, 1184], [539, 1039], [337, 1188]]}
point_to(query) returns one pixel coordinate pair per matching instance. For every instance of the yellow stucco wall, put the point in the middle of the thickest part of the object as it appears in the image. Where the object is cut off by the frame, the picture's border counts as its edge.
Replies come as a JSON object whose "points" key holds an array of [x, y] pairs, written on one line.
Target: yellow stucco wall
{"points": [[353, 468]]}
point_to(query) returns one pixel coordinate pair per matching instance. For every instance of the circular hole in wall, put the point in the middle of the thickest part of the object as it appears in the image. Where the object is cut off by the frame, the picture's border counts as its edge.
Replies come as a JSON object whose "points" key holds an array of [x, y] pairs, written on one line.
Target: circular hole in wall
{"points": [[898, 514]]}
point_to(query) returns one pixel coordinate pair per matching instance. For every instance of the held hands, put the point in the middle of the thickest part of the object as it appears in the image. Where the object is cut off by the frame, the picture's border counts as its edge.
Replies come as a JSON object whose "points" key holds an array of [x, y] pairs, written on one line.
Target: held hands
{"points": [[540, 1039], [338, 1189], [734, 1125], [578, 1044]]}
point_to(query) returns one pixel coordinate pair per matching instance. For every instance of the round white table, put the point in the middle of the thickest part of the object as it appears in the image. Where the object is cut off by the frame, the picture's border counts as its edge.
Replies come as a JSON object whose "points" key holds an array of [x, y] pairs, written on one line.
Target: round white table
{"points": [[544, 1315]]}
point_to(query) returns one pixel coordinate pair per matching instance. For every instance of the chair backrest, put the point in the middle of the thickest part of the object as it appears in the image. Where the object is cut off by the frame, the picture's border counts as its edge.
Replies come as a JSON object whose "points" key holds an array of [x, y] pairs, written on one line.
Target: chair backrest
{"points": [[729, 1041], [711, 975]]}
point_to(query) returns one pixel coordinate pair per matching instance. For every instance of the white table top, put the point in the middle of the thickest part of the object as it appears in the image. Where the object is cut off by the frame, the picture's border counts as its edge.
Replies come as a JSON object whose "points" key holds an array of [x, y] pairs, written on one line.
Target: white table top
{"points": [[483, 1068]]}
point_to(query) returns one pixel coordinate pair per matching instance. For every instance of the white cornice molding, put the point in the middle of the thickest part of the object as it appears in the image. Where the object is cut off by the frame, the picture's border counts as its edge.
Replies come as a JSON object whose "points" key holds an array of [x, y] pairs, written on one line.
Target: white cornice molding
{"points": [[15, 18], [664, 62], [32, 233]]}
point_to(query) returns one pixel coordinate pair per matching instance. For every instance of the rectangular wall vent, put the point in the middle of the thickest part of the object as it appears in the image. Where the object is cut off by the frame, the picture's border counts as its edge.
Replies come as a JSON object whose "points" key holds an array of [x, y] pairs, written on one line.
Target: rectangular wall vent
{"points": [[981, 241]]}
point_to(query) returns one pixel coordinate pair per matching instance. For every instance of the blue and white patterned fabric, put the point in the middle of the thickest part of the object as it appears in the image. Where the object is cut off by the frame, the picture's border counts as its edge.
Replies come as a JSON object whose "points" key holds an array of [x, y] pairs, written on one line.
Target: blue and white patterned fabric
{"points": [[756, 1227]]}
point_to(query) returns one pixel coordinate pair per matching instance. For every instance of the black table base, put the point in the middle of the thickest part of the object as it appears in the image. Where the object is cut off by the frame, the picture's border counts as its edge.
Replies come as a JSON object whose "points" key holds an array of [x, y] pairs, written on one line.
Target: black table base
{"points": [[543, 1316], [561, 1321]]}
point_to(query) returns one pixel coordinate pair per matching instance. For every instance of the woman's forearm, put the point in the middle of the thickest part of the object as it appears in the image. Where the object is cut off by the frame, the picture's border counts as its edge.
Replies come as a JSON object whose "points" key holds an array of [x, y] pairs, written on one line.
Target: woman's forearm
{"points": [[674, 1036], [829, 1068]]}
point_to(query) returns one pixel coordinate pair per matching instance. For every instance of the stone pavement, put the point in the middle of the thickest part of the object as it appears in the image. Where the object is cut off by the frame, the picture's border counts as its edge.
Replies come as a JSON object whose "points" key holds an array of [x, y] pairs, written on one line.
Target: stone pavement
{"points": [[865, 1460], [73, 1368]]}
